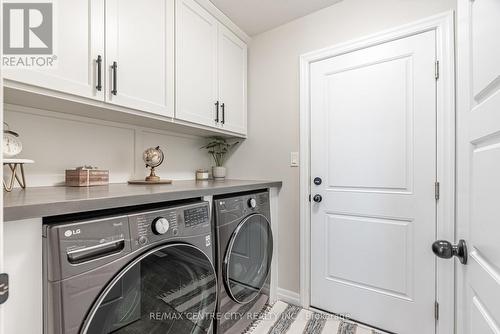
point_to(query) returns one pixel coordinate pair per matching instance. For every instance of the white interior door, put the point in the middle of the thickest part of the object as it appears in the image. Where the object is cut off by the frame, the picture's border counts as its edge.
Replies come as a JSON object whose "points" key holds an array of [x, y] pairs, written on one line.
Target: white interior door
{"points": [[196, 64], [478, 166], [232, 81], [140, 40], [373, 144], [78, 41]]}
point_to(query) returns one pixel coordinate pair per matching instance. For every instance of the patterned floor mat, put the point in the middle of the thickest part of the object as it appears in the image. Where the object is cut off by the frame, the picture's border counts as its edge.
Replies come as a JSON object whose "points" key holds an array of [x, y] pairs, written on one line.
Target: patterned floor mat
{"points": [[284, 318]]}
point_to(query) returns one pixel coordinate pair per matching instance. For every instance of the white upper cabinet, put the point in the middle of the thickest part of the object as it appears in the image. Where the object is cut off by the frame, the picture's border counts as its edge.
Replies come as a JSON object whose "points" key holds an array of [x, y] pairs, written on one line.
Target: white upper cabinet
{"points": [[140, 55], [196, 64], [173, 61], [78, 42], [211, 71], [232, 81]]}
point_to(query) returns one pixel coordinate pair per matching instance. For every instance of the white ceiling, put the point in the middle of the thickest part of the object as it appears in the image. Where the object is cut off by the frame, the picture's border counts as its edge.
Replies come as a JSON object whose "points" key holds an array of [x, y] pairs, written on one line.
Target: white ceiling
{"points": [[256, 16]]}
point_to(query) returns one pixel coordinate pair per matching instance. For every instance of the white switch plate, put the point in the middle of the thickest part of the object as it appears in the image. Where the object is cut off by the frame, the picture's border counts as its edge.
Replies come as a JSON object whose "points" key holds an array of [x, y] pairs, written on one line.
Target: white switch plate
{"points": [[294, 159]]}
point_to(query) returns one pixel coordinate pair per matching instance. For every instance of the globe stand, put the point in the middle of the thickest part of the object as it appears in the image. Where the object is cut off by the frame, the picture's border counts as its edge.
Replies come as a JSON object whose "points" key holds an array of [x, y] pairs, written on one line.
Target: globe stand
{"points": [[152, 176]]}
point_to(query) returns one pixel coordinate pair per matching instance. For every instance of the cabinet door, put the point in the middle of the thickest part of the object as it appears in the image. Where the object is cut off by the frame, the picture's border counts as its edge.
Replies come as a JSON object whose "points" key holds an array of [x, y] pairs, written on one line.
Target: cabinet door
{"points": [[196, 64], [78, 41], [140, 41], [232, 81]]}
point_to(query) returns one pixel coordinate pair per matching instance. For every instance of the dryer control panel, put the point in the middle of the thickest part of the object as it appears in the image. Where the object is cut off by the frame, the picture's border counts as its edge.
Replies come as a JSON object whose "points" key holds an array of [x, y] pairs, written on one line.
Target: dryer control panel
{"points": [[150, 227]]}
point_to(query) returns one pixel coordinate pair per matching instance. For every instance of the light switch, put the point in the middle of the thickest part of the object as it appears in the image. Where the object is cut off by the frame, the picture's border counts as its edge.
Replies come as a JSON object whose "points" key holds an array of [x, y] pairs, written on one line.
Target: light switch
{"points": [[294, 159]]}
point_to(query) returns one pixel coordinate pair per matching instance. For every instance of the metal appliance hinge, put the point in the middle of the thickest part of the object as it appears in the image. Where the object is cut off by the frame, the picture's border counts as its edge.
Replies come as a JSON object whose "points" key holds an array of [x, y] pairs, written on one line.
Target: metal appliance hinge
{"points": [[436, 190], [437, 69], [436, 310], [4, 288]]}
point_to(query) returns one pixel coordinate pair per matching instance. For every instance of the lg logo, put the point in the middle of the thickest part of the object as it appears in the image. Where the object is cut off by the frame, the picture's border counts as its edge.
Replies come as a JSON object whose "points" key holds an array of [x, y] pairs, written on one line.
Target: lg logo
{"points": [[69, 233], [27, 28]]}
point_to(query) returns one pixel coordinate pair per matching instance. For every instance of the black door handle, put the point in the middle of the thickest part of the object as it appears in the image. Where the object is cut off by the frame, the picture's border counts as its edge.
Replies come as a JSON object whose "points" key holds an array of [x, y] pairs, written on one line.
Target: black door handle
{"points": [[317, 198], [445, 250], [114, 91], [99, 73], [217, 112], [223, 108]]}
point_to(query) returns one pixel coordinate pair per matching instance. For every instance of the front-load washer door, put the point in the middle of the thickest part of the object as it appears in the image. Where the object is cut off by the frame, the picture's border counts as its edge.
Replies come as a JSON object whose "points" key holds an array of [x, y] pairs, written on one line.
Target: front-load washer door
{"points": [[247, 261], [170, 289]]}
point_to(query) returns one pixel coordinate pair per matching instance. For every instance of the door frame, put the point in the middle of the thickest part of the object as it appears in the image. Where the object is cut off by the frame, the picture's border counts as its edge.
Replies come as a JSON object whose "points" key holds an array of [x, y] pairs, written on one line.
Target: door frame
{"points": [[443, 24]]}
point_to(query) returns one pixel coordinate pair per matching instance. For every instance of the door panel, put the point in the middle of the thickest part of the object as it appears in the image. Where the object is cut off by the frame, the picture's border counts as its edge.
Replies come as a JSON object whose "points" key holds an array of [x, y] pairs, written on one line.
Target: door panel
{"points": [[79, 40], [196, 65], [233, 80], [388, 153], [478, 155], [140, 39], [392, 276], [373, 142], [485, 50]]}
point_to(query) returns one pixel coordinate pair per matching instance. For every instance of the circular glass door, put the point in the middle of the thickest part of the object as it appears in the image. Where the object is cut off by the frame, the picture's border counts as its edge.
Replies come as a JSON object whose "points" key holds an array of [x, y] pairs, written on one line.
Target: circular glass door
{"points": [[170, 289], [248, 258]]}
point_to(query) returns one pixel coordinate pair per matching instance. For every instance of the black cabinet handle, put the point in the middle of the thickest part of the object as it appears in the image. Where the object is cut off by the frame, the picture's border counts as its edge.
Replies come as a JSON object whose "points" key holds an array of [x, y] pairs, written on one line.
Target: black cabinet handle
{"points": [[223, 108], [114, 91], [217, 112], [99, 73]]}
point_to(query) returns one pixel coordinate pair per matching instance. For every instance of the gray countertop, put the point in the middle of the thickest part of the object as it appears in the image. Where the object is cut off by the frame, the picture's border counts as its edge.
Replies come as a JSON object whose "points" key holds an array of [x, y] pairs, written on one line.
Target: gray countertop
{"points": [[50, 201]]}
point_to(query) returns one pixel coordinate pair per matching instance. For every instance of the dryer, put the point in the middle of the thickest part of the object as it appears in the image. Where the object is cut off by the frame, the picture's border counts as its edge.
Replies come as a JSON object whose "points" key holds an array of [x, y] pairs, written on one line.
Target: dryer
{"points": [[146, 271], [244, 250]]}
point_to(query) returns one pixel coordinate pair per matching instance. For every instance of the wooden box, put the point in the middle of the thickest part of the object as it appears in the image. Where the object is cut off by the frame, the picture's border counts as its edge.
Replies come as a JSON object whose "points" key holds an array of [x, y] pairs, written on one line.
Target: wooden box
{"points": [[86, 177]]}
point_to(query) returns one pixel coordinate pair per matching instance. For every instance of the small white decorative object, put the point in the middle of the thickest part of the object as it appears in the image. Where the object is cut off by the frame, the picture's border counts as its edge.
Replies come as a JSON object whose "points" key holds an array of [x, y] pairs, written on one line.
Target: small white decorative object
{"points": [[202, 175], [218, 172], [12, 145]]}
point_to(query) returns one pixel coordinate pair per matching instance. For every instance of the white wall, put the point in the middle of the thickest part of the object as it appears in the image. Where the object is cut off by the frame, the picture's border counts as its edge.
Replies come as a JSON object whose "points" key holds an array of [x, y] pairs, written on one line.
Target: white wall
{"points": [[274, 99], [58, 141]]}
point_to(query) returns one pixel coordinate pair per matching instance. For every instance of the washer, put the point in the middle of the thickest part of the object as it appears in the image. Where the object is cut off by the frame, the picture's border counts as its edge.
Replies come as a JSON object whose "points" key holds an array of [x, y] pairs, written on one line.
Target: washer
{"points": [[244, 245], [139, 272]]}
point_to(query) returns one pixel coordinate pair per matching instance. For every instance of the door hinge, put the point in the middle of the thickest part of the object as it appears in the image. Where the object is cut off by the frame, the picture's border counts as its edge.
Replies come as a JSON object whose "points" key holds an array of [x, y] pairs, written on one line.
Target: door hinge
{"points": [[4, 288], [437, 69], [436, 310], [436, 190]]}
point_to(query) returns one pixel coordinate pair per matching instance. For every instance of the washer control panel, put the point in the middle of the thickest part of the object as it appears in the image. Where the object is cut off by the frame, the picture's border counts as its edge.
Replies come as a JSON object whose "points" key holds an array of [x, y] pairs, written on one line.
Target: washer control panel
{"points": [[149, 227], [196, 216]]}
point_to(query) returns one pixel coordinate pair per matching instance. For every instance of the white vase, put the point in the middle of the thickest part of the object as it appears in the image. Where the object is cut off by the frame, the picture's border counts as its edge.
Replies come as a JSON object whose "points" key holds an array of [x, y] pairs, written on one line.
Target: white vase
{"points": [[219, 173]]}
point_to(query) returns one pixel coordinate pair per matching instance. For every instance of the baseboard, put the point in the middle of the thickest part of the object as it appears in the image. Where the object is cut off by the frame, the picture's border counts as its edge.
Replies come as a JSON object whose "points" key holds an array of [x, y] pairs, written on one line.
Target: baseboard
{"points": [[288, 296]]}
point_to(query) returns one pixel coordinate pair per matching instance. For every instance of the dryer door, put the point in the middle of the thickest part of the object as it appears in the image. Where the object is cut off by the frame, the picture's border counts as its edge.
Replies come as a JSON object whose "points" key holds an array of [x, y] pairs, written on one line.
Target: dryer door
{"points": [[170, 289], [247, 261]]}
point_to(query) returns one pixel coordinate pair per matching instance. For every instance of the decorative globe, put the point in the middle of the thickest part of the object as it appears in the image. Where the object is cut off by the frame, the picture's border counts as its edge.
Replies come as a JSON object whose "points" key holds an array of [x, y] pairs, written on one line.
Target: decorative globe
{"points": [[153, 157]]}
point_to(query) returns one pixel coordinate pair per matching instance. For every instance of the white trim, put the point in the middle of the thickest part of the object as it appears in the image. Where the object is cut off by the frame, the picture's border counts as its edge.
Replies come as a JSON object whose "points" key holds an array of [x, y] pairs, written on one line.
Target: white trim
{"points": [[288, 296], [274, 205], [30, 96], [443, 24], [2, 307], [223, 19], [464, 105]]}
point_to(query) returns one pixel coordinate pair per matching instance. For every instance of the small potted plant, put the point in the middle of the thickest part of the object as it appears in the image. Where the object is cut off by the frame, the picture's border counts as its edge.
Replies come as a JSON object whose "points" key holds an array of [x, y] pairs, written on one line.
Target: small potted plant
{"points": [[218, 147]]}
